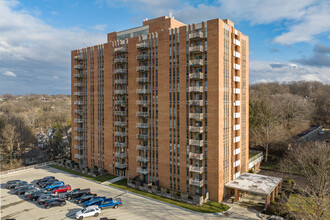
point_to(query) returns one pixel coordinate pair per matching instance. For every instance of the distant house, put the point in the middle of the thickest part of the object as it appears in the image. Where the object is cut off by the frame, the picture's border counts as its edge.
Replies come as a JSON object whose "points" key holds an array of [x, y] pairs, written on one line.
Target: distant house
{"points": [[34, 156]]}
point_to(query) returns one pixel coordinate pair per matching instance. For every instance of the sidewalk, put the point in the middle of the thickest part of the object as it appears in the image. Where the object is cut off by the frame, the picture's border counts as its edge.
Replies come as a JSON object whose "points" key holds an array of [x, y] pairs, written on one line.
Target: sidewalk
{"points": [[113, 180]]}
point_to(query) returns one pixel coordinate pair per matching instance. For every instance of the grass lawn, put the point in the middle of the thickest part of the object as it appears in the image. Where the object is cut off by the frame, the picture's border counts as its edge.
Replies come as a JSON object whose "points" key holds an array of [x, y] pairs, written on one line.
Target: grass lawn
{"points": [[101, 178], [295, 201], [272, 163], [252, 153], [209, 207]]}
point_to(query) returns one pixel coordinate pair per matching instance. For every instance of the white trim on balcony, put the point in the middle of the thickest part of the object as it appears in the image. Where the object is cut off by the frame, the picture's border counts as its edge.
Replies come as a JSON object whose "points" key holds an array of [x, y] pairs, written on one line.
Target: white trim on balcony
{"points": [[237, 139], [237, 42], [237, 103], [142, 170], [237, 54], [199, 143], [196, 169], [236, 175], [237, 79], [236, 91], [237, 151], [78, 156], [237, 66], [237, 115], [237, 163], [237, 127]]}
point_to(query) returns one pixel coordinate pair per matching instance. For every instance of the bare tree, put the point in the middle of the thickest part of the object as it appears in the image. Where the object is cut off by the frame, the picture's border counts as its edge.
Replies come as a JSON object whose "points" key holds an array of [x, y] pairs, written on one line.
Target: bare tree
{"points": [[312, 161], [10, 141]]}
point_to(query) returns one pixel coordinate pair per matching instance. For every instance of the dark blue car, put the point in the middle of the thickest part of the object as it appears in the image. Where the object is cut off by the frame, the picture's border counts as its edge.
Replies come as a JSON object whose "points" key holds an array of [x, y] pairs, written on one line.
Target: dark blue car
{"points": [[94, 201], [110, 203]]}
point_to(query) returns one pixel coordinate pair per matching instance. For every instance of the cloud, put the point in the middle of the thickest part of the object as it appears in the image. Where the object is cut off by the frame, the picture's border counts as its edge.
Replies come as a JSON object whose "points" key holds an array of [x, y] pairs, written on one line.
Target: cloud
{"points": [[319, 57], [264, 71], [100, 27], [9, 73]]}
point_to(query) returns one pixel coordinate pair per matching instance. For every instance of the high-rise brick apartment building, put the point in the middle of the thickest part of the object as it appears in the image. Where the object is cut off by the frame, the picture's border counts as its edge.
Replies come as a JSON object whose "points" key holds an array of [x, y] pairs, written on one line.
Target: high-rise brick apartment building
{"points": [[167, 102]]}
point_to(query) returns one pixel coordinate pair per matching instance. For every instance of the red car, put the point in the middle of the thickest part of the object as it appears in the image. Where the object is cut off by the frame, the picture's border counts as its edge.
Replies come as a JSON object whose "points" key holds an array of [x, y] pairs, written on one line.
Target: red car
{"points": [[61, 189]]}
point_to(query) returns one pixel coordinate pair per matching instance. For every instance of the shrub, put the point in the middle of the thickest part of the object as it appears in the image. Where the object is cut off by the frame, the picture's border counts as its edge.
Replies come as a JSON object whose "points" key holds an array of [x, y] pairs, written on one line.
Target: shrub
{"points": [[251, 171], [278, 209], [88, 169], [168, 191], [178, 194], [158, 188], [190, 197], [150, 187], [277, 198], [133, 181]]}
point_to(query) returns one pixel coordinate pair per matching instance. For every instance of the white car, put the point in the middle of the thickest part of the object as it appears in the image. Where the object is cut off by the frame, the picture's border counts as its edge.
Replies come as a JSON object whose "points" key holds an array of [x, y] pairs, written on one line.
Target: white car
{"points": [[93, 210]]}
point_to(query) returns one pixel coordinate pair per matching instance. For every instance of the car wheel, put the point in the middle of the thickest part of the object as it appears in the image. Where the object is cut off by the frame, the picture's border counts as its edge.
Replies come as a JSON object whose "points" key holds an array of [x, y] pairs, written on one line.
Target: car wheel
{"points": [[62, 204], [96, 214], [116, 206], [81, 217], [79, 202], [47, 207], [69, 198]]}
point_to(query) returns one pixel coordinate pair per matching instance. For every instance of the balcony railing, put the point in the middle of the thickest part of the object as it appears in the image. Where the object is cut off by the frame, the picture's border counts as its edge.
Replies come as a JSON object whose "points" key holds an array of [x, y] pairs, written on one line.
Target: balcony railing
{"points": [[142, 136], [79, 66], [196, 89], [196, 102], [120, 134], [196, 116], [196, 182], [120, 102], [78, 156], [236, 91], [196, 129], [237, 127], [196, 35], [77, 120], [120, 60], [79, 112], [78, 138], [78, 84], [196, 156], [120, 165], [142, 159], [237, 79], [143, 102], [78, 57], [142, 80], [120, 71], [78, 93], [142, 68], [196, 49], [237, 115], [142, 147], [236, 175], [196, 169], [120, 144], [237, 151], [236, 32], [142, 125], [199, 143], [120, 92], [196, 76], [120, 81], [237, 163], [142, 57], [142, 46], [120, 123], [237, 42], [120, 113], [142, 170], [78, 102], [197, 62], [121, 49], [142, 114], [120, 155], [78, 75], [236, 66], [237, 54], [78, 129], [237, 139], [237, 103], [78, 147], [142, 91]]}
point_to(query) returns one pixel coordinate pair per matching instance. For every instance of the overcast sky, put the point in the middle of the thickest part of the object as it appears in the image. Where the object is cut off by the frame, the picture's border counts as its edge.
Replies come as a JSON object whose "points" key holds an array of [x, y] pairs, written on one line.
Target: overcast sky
{"points": [[289, 39]]}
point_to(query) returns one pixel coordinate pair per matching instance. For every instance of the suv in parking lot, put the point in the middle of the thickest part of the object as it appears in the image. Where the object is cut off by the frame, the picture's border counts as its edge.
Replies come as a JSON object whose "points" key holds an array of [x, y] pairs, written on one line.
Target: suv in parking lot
{"points": [[45, 197], [88, 211], [34, 196], [94, 201], [54, 185], [47, 182], [11, 184], [54, 202], [85, 198], [110, 203], [17, 184], [76, 193], [63, 188], [46, 178]]}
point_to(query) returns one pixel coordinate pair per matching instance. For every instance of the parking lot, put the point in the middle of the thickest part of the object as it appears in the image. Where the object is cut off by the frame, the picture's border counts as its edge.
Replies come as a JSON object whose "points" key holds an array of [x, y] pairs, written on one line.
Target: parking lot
{"points": [[134, 207]]}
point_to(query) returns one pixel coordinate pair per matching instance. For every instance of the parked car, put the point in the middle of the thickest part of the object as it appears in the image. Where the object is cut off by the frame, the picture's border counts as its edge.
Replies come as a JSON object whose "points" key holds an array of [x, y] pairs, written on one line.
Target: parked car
{"points": [[45, 197], [34, 196], [29, 192], [47, 182], [76, 193], [18, 184], [85, 198], [21, 186], [46, 178], [22, 190], [109, 203], [55, 202], [93, 210], [62, 189], [94, 201], [11, 183], [54, 185]]}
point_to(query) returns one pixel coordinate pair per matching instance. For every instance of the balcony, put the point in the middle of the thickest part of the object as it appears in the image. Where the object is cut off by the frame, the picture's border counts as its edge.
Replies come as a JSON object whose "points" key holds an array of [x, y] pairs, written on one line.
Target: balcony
{"points": [[79, 112], [78, 147], [198, 76], [142, 114], [79, 66], [236, 91], [142, 136], [120, 60], [120, 71], [120, 102], [120, 134], [196, 156], [142, 159], [237, 163], [196, 102], [237, 115], [237, 42], [78, 129], [236, 32], [237, 151], [236, 54], [142, 125], [78, 75], [142, 147], [196, 49], [196, 182], [142, 170], [142, 80], [78, 93], [196, 36], [78, 57], [142, 68], [199, 143], [142, 46], [121, 49], [196, 116], [120, 155], [120, 92], [142, 57], [237, 103], [120, 113], [196, 129], [236, 175], [196, 169], [78, 138], [77, 120], [120, 81], [236, 66], [143, 102], [237, 139], [142, 91], [120, 165], [120, 144], [258, 157], [237, 127], [237, 79], [78, 102], [78, 84], [78, 156], [120, 123], [197, 62], [196, 89]]}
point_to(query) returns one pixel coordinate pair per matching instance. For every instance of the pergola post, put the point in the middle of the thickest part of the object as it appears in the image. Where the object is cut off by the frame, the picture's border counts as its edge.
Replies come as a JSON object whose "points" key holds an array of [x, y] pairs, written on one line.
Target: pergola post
{"points": [[272, 196], [276, 191], [267, 201], [236, 195]]}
